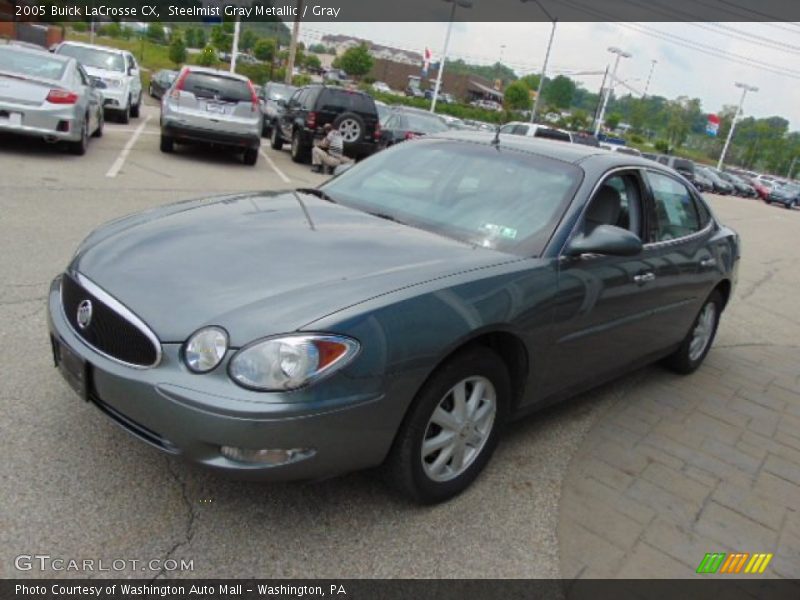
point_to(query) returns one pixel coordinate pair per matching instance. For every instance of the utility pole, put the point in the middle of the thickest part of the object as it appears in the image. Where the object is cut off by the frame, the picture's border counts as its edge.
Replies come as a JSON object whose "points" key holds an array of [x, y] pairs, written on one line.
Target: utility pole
{"points": [[293, 45], [237, 27], [443, 59], [791, 168], [600, 99], [649, 77], [544, 73], [745, 88], [620, 54]]}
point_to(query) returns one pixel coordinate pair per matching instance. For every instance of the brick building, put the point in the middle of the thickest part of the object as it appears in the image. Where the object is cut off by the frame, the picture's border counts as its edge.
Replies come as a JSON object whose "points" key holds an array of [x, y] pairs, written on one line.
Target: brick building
{"points": [[26, 29]]}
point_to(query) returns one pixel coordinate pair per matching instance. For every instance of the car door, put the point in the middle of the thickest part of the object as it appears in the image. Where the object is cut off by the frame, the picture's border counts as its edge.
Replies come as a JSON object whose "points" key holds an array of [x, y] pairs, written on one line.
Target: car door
{"points": [[685, 261], [287, 116], [604, 303]]}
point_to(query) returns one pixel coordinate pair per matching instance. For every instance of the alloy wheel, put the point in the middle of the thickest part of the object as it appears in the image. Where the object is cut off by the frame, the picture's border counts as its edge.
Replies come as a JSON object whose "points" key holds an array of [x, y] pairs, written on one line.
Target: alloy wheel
{"points": [[350, 130], [459, 428], [703, 331]]}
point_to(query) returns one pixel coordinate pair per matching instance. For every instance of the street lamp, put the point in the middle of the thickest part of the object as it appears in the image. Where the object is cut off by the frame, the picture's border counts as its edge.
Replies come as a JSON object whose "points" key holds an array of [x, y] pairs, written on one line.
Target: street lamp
{"points": [[649, 77], [553, 20], [620, 54], [745, 88], [437, 87]]}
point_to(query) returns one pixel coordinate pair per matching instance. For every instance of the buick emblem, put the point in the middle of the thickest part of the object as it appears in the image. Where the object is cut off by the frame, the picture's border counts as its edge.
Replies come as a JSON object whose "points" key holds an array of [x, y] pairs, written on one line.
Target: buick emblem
{"points": [[84, 314]]}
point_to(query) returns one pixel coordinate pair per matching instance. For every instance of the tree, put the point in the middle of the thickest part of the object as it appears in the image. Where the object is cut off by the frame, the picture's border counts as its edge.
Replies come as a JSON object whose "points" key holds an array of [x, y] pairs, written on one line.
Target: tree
{"points": [[156, 33], [312, 61], [578, 120], [532, 81], [517, 97], [221, 39], [559, 92], [613, 120], [208, 57], [247, 40], [177, 49], [264, 50], [195, 37], [356, 61], [112, 30], [318, 49]]}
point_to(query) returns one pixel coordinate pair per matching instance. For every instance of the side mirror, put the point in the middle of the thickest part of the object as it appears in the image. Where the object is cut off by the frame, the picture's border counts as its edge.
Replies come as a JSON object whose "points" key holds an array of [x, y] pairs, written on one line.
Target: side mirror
{"points": [[605, 239], [339, 169]]}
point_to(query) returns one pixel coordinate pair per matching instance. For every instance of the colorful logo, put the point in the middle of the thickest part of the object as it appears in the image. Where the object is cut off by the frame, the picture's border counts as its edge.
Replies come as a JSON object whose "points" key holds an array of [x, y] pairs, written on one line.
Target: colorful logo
{"points": [[734, 563]]}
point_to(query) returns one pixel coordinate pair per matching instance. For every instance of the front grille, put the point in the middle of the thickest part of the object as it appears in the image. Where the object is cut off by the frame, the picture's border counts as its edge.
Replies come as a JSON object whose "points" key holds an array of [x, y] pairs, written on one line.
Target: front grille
{"points": [[137, 429], [108, 331]]}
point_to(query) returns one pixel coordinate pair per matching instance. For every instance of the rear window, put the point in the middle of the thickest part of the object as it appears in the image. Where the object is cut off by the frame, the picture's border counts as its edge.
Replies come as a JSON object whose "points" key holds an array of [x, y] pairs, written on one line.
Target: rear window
{"points": [[336, 100], [95, 57], [217, 87], [39, 65], [552, 134]]}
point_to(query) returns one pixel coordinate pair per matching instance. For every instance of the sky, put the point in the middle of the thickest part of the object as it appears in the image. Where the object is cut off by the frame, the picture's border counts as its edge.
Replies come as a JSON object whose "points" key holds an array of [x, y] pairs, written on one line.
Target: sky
{"points": [[685, 67]]}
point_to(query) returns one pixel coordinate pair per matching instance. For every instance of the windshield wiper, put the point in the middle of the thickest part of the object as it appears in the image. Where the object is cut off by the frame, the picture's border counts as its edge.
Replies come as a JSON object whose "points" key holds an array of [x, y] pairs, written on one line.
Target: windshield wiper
{"points": [[316, 192], [386, 217]]}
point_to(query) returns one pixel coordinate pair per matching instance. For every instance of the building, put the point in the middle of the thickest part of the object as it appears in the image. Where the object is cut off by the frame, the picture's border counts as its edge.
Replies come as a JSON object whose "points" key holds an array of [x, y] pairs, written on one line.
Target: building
{"points": [[26, 29], [342, 43]]}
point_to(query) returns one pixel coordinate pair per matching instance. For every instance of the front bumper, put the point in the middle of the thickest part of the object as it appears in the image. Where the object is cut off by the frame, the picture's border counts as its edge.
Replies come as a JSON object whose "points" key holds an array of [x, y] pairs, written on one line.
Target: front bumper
{"points": [[183, 132], [115, 98], [48, 121], [193, 416]]}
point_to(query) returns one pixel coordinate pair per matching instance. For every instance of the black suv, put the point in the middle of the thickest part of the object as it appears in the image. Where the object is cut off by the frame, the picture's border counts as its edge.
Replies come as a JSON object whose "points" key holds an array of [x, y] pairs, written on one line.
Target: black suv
{"points": [[311, 107]]}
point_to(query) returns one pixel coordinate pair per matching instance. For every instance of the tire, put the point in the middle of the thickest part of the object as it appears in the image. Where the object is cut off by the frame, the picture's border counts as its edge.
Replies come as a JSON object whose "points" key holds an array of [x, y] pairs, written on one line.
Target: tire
{"points": [[417, 475], [299, 150], [276, 140], [135, 109], [125, 115], [79, 148], [167, 144], [250, 156], [150, 91], [98, 133], [351, 126], [687, 358]]}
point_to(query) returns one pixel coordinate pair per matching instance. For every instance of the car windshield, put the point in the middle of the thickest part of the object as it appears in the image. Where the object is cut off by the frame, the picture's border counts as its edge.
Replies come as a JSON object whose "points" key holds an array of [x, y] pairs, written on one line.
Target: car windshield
{"points": [[424, 124], [94, 57], [218, 87], [278, 91], [29, 64], [479, 194]]}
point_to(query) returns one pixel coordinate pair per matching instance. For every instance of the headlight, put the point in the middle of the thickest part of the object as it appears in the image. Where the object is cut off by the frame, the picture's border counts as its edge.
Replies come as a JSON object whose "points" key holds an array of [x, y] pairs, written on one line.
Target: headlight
{"points": [[290, 362], [205, 349], [113, 83]]}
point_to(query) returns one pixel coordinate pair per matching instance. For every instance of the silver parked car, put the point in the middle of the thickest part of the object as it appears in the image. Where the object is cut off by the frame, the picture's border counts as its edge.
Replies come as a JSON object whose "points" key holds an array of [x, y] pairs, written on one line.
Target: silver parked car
{"points": [[212, 107], [50, 97], [117, 68], [272, 109]]}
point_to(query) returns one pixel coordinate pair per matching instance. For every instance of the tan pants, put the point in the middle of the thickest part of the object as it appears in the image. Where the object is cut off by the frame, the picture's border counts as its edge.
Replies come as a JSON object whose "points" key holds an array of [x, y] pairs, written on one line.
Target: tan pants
{"points": [[321, 157]]}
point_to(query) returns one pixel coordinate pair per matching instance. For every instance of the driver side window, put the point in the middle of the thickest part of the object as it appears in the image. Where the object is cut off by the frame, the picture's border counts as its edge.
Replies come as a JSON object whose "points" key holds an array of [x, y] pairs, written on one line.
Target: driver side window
{"points": [[675, 211], [617, 202]]}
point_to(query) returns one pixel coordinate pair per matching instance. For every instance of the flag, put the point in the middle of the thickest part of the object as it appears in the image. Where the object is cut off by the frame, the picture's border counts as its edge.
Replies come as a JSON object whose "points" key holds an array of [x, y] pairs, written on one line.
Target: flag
{"points": [[426, 62]]}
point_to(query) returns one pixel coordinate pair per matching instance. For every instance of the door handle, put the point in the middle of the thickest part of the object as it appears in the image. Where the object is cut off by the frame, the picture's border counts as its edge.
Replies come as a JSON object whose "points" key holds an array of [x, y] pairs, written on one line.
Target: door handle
{"points": [[708, 262], [644, 277]]}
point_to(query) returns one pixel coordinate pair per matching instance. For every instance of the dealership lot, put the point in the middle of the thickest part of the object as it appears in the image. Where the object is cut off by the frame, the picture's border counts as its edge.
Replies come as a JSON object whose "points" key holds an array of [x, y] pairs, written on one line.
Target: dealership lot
{"points": [[652, 468]]}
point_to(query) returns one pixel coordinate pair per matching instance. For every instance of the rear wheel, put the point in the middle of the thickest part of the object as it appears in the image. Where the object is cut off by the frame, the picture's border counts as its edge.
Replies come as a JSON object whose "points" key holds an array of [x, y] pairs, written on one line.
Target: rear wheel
{"points": [[167, 144], [250, 156], [98, 133], [452, 428], [79, 148], [125, 115], [276, 140], [694, 348], [299, 150]]}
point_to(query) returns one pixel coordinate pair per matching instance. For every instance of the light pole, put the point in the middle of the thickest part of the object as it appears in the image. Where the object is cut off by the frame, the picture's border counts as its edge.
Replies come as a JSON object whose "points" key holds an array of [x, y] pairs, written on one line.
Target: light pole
{"points": [[553, 20], [620, 54], [649, 77], [237, 28], [745, 88], [438, 85]]}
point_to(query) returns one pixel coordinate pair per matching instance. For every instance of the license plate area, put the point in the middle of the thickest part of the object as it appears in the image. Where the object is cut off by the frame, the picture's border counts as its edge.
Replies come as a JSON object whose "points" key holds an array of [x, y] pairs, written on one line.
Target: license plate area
{"points": [[214, 107], [73, 368], [10, 118]]}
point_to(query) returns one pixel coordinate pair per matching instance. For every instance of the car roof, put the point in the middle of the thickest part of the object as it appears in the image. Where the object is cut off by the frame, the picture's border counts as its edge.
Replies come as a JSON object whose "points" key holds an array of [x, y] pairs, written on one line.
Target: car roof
{"points": [[210, 71], [563, 151], [35, 52], [95, 47]]}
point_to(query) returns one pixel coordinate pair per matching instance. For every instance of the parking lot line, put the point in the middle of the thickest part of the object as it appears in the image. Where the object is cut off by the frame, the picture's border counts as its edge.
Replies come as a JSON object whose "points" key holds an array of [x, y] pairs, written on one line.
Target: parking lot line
{"points": [[275, 168], [112, 172]]}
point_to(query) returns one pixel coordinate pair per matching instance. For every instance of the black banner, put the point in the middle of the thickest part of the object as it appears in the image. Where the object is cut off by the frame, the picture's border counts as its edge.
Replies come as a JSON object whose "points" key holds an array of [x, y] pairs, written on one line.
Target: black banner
{"points": [[717, 588], [408, 10]]}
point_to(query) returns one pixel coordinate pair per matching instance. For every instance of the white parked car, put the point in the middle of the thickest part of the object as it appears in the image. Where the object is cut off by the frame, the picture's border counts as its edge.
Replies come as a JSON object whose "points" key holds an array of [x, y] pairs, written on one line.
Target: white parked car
{"points": [[380, 86], [117, 69], [536, 130]]}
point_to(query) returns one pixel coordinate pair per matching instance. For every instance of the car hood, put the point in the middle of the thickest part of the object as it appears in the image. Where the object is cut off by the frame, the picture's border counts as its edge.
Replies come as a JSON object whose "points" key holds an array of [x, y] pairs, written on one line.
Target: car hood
{"points": [[261, 264], [104, 73]]}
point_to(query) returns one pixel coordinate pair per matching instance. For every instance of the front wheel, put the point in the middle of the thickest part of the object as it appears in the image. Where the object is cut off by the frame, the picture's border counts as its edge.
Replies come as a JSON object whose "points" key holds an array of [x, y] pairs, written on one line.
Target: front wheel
{"points": [[250, 156], [125, 115], [452, 427], [275, 140], [167, 144], [695, 346], [299, 151], [135, 109]]}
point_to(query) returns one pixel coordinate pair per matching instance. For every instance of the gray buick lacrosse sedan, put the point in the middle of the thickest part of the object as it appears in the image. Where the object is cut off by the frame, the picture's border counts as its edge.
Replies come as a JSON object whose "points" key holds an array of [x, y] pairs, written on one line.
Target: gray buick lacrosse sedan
{"points": [[398, 315]]}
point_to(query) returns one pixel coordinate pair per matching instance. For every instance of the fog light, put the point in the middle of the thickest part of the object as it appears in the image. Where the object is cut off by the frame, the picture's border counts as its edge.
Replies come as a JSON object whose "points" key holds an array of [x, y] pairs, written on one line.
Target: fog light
{"points": [[267, 456]]}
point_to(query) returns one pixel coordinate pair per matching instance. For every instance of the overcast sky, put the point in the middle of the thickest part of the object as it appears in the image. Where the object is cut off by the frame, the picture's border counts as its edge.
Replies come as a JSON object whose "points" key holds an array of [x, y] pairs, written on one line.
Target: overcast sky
{"points": [[681, 70]]}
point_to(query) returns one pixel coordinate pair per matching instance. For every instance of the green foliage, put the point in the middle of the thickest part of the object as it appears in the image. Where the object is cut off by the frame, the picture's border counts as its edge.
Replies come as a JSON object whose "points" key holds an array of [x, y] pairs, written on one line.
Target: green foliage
{"points": [[221, 39], [613, 121], [635, 139], [156, 33], [356, 61], [578, 120], [490, 72], [318, 49], [459, 111], [177, 49], [258, 74], [558, 92], [195, 37], [662, 146], [312, 61], [112, 30], [247, 39], [80, 26], [532, 81], [301, 80], [264, 50], [208, 57], [517, 97]]}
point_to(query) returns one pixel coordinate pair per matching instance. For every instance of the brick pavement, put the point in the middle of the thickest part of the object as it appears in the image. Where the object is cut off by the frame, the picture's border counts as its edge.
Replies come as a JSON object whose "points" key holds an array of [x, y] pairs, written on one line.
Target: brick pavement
{"points": [[681, 466]]}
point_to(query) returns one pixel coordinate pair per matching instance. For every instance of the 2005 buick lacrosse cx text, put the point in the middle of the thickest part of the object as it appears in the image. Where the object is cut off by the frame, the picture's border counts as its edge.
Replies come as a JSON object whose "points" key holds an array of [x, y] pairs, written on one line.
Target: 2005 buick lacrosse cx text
{"points": [[399, 314]]}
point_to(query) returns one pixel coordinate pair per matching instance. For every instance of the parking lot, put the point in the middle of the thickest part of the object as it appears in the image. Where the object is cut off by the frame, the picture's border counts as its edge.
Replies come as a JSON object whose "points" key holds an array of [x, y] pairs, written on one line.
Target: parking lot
{"points": [[638, 478]]}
